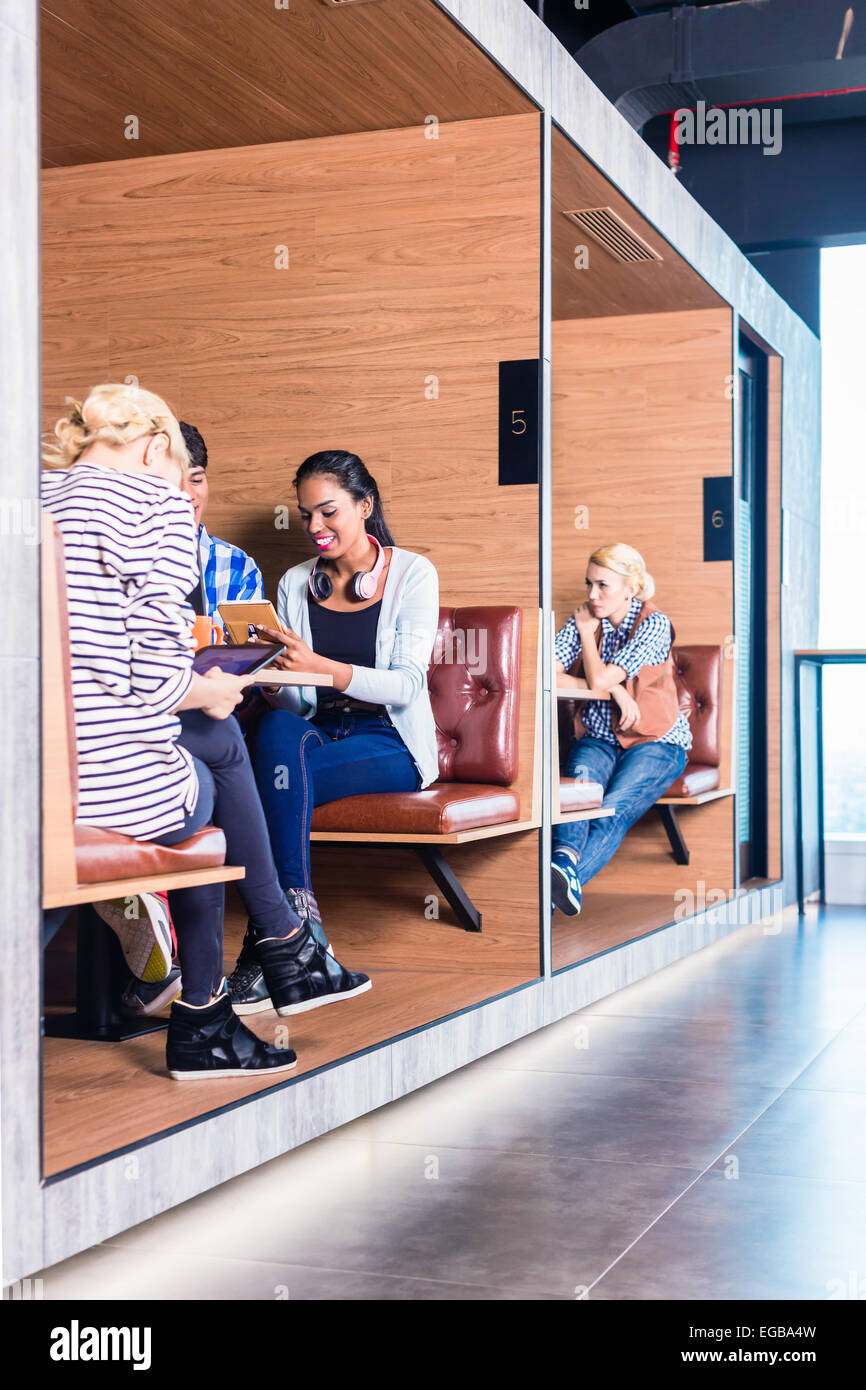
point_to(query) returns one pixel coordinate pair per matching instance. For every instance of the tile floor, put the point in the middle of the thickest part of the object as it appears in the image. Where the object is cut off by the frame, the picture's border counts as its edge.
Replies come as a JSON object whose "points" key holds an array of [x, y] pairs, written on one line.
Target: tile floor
{"points": [[701, 1135]]}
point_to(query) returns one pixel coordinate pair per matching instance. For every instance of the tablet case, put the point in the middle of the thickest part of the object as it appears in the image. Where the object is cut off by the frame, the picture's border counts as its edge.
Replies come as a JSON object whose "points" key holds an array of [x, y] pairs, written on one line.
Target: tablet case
{"points": [[239, 617]]}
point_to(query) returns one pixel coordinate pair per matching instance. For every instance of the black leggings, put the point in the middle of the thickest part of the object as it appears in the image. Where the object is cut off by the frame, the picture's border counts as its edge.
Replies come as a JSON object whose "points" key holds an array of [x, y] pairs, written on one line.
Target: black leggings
{"points": [[229, 799]]}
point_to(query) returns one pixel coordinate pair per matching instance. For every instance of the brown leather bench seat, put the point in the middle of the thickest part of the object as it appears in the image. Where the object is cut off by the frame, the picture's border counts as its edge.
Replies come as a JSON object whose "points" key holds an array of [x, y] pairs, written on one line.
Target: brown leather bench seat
{"points": [[695, 779], [474, 684], [442, 809], [579, 796], [104, 855]]}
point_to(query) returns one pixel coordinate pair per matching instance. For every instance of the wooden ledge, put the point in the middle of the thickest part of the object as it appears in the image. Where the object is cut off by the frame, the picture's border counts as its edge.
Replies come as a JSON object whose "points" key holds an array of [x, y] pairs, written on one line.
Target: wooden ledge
{"points": [[594, 813], [697, 800], [564, 693], [454, 837], [80, 893]]}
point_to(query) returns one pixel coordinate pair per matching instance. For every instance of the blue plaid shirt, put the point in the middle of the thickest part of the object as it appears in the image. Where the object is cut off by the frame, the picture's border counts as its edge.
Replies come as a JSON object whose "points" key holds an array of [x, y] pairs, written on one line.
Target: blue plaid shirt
{"points": [[229, 575], [650, 647]]}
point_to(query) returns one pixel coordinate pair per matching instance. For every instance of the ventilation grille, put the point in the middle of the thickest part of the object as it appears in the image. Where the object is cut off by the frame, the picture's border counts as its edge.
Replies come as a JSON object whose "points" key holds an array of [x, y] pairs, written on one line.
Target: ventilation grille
{"points": [[613, 233]]}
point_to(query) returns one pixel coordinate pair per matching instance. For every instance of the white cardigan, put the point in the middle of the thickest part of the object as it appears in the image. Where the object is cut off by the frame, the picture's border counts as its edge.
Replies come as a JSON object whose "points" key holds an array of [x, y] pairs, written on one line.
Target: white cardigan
{"points": [[408, 622]]}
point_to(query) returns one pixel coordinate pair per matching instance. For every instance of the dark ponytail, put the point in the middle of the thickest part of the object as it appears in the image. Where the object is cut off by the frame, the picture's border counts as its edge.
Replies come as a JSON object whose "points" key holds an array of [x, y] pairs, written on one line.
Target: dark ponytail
{"points": [[353, 478]]}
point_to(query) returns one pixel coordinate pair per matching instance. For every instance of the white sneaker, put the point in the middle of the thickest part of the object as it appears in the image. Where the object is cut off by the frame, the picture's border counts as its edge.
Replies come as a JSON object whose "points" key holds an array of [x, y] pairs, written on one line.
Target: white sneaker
{"points": [[143, 927]]}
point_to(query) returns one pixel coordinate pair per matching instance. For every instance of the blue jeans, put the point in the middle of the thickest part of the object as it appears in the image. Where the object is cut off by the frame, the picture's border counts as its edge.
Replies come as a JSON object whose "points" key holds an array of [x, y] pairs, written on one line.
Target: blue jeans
{"points": [[300, 764], [633, 778]]}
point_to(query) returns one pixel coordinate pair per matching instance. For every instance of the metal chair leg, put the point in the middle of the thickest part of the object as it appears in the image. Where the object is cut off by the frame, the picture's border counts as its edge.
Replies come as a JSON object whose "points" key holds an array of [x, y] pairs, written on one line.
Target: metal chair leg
{"points": [[674, 834], [444, 877]]}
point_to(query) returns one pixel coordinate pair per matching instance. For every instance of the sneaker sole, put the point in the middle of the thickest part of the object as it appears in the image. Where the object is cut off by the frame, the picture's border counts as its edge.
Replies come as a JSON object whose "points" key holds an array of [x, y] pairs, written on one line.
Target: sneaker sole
{"points": [[308, 1004], [238, 1072], [244, 1010], [145, 940], [559, 892], [168, 996]]}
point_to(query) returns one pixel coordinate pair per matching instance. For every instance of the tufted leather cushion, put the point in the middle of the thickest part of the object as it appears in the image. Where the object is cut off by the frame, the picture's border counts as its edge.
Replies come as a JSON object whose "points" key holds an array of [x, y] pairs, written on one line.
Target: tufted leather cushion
{"points": [[102, 855], [698, 672], [437, 810], [696, 777], [579, 796], [474, 684]]}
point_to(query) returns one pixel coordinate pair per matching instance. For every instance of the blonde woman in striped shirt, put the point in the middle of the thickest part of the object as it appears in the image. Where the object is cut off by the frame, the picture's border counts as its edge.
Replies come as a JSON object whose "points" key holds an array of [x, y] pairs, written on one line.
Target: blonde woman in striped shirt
{"points": [[159, 756]]}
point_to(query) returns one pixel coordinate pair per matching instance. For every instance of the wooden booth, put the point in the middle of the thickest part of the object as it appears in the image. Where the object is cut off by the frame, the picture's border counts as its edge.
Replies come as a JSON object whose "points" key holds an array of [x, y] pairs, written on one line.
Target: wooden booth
{"points": [[320, 265], [645, 439]]}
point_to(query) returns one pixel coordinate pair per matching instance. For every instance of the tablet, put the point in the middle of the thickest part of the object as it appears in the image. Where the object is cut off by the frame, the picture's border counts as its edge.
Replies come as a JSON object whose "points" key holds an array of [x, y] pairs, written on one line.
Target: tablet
{"points": [[240, 618], [237, 661]]}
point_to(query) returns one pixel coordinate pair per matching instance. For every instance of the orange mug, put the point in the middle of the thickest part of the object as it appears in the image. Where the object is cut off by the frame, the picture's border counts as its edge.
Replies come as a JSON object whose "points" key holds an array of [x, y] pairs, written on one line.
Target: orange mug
{"points": [[207, 633]]}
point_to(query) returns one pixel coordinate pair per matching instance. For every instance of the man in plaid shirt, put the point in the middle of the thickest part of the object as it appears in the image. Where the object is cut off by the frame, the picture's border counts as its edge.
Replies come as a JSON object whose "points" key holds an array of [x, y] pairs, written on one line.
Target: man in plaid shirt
{"points": [[228, 574]]}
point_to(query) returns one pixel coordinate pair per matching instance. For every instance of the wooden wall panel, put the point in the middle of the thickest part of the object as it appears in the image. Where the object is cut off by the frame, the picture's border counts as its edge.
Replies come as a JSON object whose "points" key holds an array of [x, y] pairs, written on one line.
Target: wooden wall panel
{"points": [[409, 259], [239, 72], [640, 417]]}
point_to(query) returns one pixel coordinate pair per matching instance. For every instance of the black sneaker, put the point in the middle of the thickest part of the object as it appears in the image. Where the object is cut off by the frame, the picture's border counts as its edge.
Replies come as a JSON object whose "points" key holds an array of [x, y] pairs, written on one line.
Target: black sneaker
{"points": [[141, 999], [246, 984], [302, 976], [209, 1043]]}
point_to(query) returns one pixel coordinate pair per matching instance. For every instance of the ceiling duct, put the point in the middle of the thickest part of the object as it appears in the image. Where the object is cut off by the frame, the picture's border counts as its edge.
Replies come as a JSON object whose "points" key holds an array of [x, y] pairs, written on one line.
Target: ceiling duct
{"points": [[741, 52]]}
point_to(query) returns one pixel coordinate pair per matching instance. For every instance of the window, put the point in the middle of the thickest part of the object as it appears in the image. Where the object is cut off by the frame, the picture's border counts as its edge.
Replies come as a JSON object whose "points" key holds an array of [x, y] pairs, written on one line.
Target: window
{"points": [[843, 534]]}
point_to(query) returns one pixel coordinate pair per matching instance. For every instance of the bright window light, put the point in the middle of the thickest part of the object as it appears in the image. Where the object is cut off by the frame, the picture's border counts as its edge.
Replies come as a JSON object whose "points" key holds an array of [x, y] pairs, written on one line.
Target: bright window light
{"points": [[843, 532]]}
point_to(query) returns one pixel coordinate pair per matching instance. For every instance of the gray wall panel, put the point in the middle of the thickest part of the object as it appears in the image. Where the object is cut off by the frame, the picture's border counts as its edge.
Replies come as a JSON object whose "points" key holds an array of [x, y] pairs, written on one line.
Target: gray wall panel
{"points": [[19, 637], [109, 1197], [509, 32]]}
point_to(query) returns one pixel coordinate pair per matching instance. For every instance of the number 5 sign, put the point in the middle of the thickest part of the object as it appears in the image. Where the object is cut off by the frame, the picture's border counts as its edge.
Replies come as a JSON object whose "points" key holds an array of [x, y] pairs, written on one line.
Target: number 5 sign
{"points": [[518, 422]]}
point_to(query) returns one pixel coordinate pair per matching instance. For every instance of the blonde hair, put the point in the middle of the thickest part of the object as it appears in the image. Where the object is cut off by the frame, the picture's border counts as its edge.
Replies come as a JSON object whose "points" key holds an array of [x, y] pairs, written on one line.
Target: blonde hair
{"points": [[114, 415], [624, 559]]}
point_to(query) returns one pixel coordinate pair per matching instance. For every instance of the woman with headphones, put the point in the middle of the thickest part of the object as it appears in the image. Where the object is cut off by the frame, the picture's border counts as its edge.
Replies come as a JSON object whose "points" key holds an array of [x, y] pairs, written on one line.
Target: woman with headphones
{"points": [[636, 743], [365, 613]]}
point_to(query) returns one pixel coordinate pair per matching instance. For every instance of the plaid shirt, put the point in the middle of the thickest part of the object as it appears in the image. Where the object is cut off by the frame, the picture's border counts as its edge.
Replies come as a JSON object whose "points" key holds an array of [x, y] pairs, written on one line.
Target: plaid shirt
{"points": [[229, 575], [650, 647]]}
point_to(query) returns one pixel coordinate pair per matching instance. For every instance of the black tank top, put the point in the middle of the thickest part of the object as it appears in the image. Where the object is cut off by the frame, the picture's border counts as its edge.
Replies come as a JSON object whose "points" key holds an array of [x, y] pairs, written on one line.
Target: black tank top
{"points": [[348, 636]]}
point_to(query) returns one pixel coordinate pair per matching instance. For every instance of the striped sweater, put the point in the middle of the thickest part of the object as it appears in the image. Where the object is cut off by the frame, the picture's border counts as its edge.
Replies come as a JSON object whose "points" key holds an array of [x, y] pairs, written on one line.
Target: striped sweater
{"points": [[130, 548]]}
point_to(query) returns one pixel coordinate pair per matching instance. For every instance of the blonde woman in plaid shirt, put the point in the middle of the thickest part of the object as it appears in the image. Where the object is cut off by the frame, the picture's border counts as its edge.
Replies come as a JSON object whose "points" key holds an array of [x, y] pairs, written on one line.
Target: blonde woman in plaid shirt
{"points": [[636, 743]]}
